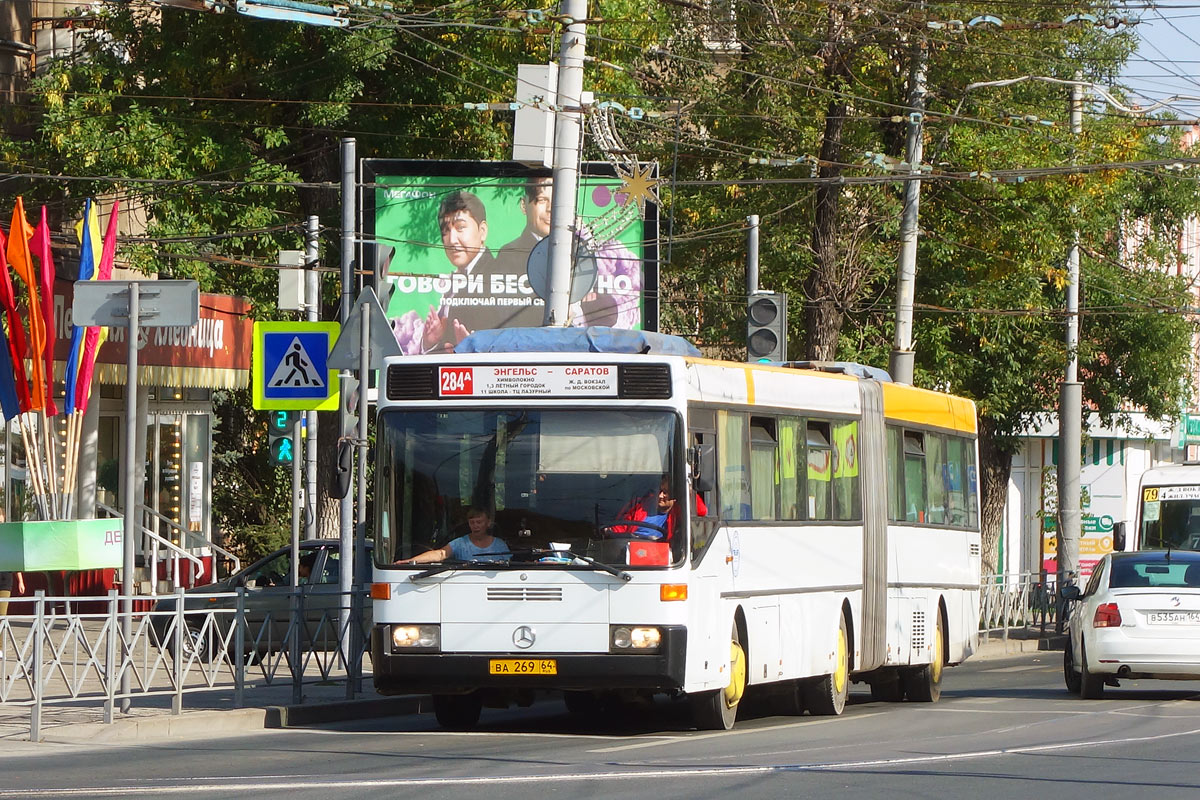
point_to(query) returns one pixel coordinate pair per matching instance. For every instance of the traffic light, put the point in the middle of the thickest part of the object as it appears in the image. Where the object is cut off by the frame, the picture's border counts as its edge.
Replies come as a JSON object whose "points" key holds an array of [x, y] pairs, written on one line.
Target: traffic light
{"points": [[279, 426], [766, 327]]}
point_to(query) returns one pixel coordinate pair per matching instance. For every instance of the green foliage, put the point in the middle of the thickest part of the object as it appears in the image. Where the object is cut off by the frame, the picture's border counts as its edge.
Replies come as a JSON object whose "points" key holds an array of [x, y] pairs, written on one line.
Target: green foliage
{"points": [[256, 106]]}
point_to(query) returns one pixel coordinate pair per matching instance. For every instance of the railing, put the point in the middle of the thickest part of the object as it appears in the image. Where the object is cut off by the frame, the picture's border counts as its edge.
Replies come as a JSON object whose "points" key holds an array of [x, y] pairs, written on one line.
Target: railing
{"points": [[1019, 600], [149, 515], [50, 657]]}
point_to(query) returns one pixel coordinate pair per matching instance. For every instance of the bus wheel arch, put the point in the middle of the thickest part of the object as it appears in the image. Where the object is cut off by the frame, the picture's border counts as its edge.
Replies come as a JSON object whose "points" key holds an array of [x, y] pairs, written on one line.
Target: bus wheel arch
{"points": [[717, 709], [923, 684], [827, 695]]}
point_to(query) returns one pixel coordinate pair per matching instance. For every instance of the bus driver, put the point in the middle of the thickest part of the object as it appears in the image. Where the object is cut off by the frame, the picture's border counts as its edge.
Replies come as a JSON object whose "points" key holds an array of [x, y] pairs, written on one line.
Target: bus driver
{"points": [[478, 544]]}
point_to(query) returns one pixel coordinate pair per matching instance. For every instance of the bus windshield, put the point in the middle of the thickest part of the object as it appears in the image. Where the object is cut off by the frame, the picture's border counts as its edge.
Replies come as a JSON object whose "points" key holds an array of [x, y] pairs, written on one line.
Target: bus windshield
{"points": [[1170, 517], [559, 486]]}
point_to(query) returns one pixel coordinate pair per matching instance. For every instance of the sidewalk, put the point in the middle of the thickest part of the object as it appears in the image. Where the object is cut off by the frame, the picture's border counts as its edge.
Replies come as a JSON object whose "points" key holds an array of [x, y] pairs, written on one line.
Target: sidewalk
{"points": [[206, 713], [211, 712]]}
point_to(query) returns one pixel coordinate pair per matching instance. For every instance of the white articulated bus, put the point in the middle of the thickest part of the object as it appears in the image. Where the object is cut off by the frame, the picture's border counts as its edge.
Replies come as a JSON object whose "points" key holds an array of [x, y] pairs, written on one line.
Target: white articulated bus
{"points": [[824, 529], [1168, 510]]}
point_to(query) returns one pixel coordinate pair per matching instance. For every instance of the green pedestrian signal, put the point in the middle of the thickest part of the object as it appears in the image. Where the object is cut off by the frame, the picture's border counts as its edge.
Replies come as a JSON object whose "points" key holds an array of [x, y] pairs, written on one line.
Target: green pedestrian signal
{"points": [[279, 428]]}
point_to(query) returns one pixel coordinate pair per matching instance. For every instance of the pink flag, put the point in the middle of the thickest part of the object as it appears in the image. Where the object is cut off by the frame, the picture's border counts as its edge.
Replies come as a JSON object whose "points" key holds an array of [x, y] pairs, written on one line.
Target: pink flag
{"points": [[40, 244]]}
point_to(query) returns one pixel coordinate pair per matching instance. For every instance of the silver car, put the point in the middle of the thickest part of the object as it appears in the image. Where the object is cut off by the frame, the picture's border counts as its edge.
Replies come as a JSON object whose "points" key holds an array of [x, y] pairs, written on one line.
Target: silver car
{"points": [[267, 583], [1138, 617]]}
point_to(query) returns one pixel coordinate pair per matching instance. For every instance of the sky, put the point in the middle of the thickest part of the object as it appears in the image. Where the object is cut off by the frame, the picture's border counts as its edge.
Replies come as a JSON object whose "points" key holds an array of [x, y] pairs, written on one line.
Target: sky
{"points": [[1168, 59]]}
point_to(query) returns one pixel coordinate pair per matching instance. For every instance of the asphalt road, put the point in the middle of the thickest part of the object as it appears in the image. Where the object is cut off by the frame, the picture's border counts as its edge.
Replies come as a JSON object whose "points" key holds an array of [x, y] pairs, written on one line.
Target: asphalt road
{"points": [[1004, 728]]}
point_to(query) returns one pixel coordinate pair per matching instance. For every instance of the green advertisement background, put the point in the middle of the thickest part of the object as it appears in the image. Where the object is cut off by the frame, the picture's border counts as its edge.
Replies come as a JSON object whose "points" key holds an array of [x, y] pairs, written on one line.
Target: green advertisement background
{"points": [[61, 545]]}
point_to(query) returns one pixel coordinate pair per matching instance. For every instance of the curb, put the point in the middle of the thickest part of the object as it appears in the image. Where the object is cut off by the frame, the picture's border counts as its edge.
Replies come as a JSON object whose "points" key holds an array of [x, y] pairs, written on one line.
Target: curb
{"points": [[187, 724], [1001, 648], [367, 708], [191, 724]]}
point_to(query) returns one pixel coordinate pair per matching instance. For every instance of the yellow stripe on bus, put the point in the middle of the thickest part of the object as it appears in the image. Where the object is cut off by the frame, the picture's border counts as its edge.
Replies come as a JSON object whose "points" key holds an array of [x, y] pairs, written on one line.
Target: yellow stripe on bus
{"points": [[923, 407]]}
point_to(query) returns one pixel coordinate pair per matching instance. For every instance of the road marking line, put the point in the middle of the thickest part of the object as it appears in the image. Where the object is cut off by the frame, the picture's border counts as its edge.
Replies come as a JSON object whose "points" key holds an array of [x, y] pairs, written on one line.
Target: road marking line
{"points": [[702, 736], [1026, 668], [250, 784]]}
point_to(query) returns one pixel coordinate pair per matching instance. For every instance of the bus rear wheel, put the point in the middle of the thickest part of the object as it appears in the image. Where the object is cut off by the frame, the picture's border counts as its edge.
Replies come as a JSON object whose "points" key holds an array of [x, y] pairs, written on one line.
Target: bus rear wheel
{"points": [[924, 684], [826, 696], [457, 712], [717, 711]]}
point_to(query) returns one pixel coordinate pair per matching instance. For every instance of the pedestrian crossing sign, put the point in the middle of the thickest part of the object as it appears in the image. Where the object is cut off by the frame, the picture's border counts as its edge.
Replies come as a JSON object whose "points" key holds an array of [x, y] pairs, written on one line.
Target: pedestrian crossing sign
{"points": [[291, 366]]}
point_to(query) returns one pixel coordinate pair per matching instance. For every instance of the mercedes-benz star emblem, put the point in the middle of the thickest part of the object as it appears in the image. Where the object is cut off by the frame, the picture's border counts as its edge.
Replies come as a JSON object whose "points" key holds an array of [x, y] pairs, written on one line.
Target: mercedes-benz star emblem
{"points": [[524, 636]]}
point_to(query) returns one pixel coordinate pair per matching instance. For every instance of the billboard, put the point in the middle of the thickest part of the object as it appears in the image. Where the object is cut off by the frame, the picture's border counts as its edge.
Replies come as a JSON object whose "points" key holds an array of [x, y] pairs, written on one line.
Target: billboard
{"points": [[463, 233]]}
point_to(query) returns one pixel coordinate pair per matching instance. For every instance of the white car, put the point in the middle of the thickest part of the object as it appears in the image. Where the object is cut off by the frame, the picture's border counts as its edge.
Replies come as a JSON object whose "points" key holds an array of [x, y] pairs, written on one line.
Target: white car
{"points": [[1138, 617]]}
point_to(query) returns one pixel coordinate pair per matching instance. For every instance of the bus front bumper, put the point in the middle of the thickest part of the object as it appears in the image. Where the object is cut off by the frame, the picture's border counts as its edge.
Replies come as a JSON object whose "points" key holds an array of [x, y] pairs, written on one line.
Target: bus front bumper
{"points": [[405, 673]]}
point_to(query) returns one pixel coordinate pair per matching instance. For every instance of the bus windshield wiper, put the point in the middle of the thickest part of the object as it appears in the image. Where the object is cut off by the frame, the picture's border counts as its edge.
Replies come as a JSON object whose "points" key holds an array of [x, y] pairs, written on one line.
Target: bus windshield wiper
{"points": [[436, 568], [458, 564], [594, 564]]}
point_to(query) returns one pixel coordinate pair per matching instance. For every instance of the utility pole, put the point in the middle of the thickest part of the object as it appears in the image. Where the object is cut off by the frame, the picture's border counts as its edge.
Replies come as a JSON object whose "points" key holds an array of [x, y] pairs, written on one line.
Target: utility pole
{"points": [[312, 301], [1070, 401], [346, 517], [901, 366], [567, 130]]}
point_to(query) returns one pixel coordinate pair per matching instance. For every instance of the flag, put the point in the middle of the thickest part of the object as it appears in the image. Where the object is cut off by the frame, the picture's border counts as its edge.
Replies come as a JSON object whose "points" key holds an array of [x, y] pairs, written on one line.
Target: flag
{"points": [[96, 335], [88, 231], [21, 261], [10, 403], [16, 331], [41, 248]]}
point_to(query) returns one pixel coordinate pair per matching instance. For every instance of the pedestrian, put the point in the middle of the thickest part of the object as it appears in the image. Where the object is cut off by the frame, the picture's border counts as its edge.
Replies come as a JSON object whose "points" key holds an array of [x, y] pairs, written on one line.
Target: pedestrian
{"points": [[9, 581]]}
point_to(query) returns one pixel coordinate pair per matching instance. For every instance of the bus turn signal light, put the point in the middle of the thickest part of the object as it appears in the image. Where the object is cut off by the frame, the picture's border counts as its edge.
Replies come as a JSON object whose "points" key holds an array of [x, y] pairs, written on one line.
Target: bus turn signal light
{"points": [[381, 591], [672, 591]]}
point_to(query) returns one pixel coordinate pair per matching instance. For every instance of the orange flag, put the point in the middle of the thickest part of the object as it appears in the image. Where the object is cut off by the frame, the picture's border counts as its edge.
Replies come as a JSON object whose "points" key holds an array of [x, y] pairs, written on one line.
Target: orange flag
{"points": [[19, 259]]}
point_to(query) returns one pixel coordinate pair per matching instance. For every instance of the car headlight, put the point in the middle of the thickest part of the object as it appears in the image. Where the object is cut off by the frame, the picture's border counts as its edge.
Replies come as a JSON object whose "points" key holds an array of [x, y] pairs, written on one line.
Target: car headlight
{"points": [[416, 637], [634, 638]]}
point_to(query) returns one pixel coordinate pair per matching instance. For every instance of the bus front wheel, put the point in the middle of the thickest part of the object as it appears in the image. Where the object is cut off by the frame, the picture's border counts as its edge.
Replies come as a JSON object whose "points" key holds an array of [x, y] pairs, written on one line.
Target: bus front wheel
{"points": [[717, 711], [457, 712], [826, 696]]}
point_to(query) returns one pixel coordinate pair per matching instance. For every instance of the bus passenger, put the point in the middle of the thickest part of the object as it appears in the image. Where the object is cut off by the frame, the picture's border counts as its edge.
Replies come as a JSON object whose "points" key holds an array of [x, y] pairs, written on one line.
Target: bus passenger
{"points": [[478, 544]]}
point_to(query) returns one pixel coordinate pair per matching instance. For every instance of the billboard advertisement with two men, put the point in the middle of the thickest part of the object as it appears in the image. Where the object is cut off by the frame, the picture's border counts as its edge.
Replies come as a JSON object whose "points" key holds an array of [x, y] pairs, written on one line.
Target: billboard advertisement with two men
{"points": [[463, 232]]}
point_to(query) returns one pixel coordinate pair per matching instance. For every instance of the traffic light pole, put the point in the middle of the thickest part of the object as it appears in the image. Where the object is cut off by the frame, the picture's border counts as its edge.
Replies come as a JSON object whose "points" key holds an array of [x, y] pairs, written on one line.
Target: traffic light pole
{"points": [[312, 301], [346, 515]]}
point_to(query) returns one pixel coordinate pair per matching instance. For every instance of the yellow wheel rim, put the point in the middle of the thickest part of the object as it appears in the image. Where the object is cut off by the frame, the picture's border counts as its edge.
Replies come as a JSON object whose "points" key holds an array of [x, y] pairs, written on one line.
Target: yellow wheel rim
{"points": [[840, 670], [935, 668], [737, 675]]}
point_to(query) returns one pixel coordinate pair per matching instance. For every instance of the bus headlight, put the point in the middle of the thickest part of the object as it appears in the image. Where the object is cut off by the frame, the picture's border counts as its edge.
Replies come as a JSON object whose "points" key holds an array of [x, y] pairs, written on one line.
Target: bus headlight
{"points": [[416, 637], [634, 638]]}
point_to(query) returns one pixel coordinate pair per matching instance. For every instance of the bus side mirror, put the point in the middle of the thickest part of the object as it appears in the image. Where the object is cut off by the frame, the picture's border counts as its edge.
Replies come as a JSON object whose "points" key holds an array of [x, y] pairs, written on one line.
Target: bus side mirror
{"points": [[1118, 537], [702, 459], [343, 469]]}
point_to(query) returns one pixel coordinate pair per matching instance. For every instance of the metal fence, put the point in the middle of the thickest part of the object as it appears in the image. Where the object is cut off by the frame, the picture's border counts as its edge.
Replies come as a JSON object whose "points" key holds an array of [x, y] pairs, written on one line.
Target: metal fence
{"points": [[1021, 600], [59, 655]]}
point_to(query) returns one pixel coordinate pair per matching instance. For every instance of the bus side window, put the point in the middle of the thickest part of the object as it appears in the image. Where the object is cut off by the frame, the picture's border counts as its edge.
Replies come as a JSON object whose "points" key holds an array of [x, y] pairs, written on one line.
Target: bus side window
{"points": [[764, 468], [820, 471], [915, 504], [935, 478], [733, 485]]}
